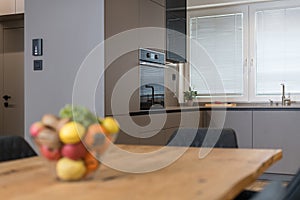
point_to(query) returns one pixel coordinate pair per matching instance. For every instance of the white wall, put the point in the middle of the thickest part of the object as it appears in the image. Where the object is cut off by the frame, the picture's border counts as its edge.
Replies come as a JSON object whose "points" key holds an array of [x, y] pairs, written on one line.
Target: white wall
{"points": [[70, 30]]}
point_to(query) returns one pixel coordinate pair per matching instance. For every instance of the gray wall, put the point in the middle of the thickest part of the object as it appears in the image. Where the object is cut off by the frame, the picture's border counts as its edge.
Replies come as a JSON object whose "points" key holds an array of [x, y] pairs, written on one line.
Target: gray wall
{"points": [[70, 30]]}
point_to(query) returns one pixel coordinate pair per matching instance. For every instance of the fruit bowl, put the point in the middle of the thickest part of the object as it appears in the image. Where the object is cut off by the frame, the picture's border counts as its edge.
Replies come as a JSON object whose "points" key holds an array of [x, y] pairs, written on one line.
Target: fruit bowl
{"points": [[74, 141]]}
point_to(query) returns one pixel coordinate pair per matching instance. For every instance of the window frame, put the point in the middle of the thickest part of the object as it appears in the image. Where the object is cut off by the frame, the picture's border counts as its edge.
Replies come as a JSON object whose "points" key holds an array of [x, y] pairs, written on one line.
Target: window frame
{"points": [[224, 11]]}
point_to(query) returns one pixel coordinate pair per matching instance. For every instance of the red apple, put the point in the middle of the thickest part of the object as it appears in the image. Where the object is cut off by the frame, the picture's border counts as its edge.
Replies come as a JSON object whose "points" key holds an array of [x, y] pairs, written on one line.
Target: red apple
{"points": [[35, 128], [74, 151], [50, 154]]}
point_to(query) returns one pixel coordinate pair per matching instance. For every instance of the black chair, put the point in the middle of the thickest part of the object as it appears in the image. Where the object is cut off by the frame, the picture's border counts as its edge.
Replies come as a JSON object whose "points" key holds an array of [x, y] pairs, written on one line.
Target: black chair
{"points": [[293, 189], [14, 147], [219, 138], [276, 190]]}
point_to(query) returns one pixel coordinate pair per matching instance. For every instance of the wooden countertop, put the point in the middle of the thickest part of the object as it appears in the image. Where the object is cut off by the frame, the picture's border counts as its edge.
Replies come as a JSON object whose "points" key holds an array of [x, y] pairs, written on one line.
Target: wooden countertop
{"points": [[221, 175]]}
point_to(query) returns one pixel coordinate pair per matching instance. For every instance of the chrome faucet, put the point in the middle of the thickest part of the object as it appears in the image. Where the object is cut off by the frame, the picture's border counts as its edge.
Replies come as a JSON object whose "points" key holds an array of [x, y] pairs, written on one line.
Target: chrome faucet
{"points": [[283, 94], [284, 101]]}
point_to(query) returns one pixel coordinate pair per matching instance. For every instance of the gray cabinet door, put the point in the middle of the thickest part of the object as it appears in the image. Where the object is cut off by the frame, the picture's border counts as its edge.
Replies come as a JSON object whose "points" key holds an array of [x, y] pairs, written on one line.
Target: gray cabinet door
{"points": [[121, 16], [152, 14], [240, 121], [124, 138], [279, 129], [157, 137]]}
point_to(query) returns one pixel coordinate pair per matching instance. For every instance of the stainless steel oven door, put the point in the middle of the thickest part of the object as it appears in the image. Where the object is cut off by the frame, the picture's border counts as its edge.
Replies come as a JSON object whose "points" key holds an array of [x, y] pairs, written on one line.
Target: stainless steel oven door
{"points": [[152, 90]]}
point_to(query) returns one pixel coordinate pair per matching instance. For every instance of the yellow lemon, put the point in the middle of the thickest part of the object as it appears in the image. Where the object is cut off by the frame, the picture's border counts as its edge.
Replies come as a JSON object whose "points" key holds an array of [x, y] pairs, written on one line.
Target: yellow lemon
{"points": [[70, 170], [110, 125], [71, 133]]}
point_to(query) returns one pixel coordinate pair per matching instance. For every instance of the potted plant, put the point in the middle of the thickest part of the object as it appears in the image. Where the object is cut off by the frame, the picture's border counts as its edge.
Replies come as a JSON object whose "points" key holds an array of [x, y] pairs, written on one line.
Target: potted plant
{"points": [[189, 96]]}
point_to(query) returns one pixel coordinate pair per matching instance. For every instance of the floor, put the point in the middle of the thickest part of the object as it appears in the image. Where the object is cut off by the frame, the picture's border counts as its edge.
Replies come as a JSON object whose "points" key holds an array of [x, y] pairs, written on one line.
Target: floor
{"points": [[259, 185]]}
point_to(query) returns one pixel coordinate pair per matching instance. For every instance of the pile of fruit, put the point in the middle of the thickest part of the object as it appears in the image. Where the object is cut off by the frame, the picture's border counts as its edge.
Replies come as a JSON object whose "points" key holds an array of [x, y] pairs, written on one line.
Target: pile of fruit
{"points": [[74, 140]]}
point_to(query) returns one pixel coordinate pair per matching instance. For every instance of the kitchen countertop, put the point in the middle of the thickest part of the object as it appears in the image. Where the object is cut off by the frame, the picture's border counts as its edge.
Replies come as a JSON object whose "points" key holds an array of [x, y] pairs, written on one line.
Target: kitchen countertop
{"points": [[261, 107]]}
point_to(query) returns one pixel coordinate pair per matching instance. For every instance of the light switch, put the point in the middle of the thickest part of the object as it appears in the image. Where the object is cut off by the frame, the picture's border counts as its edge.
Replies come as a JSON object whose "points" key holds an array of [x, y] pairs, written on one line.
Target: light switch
{"points": [[37, 47], [38, 65]]}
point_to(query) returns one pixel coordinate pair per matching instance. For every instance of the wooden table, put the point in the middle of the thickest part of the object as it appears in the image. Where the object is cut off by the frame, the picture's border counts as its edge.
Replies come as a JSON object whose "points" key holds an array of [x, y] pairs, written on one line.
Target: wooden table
{"points": [[221, 175]]}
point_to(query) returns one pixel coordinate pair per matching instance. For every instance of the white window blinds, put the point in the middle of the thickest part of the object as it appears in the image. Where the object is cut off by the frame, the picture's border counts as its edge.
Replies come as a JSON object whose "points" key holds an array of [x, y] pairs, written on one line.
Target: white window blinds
{"points": [[277, 51], [222, 37]]}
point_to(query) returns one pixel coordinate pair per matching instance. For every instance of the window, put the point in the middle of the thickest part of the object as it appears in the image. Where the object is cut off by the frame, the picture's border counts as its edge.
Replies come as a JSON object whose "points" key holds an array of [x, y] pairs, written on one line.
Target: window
{"points": [[222, 33], [255, 48], [222, 37], [277, 51]]}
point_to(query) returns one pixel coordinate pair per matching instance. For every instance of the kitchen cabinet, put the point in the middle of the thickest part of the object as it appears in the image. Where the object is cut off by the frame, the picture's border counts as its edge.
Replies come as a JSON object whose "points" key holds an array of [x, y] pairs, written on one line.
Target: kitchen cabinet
{"points": [[173, 122], [120, 16], [152, 14], [159, 130], [240, 121], [10, 7], [7, 7], [124, 138], [123, 16], [19, 6], [269, 129], [141, 129], [176, 25], [144, 130], [153, 138], [279, 130]]}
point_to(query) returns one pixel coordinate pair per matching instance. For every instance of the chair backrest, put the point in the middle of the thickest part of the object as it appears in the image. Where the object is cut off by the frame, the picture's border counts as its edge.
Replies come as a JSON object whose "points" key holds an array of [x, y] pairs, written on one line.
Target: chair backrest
{"points": [[14, 147], [273, 191], [276, 191], [219, 138], [293, 188]]}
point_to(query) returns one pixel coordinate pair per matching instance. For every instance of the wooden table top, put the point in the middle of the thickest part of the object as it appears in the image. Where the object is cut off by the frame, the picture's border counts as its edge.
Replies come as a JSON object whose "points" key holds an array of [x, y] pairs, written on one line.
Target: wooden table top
{"points": [[221, 175]]}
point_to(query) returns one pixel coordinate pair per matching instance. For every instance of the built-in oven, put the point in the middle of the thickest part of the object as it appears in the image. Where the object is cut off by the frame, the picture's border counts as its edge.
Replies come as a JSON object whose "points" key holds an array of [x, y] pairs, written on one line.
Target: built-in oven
{"points": [[152, 73]]}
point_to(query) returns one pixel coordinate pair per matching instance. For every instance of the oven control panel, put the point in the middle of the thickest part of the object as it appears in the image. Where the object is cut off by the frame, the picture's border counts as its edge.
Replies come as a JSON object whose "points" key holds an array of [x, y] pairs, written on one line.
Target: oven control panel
{"points": [[151, 56]]}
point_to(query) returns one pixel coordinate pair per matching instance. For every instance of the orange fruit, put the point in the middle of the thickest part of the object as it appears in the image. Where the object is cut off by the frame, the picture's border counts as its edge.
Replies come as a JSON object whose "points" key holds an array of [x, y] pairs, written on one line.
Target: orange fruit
{"points": [[91, 163]]}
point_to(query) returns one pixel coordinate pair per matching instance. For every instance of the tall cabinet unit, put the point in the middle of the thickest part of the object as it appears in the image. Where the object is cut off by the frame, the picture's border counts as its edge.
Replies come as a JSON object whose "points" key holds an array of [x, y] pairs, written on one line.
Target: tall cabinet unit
{"points": [[152, 15], [123, 18], [7, 7], [138, 19], [20, 6], [10, 7], [120, 16]]}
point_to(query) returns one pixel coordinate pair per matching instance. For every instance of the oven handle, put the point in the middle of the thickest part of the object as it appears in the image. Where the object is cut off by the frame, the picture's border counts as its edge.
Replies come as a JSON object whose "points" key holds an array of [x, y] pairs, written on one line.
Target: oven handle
{"points": [[153, 64]]}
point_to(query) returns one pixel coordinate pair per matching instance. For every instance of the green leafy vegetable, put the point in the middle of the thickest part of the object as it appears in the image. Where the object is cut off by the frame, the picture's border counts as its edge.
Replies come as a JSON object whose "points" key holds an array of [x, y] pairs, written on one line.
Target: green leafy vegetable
{"points": [[79, 114]]}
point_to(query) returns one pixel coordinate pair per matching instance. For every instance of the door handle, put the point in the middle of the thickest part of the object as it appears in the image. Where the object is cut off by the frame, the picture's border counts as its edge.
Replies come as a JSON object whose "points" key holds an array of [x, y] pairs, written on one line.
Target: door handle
{"points": [[6, 97], [7, 105]]}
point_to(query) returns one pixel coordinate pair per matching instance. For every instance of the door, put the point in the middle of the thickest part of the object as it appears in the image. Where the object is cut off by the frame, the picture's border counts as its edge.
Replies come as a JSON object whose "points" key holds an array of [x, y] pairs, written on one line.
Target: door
{"points": [[12, 77]]}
